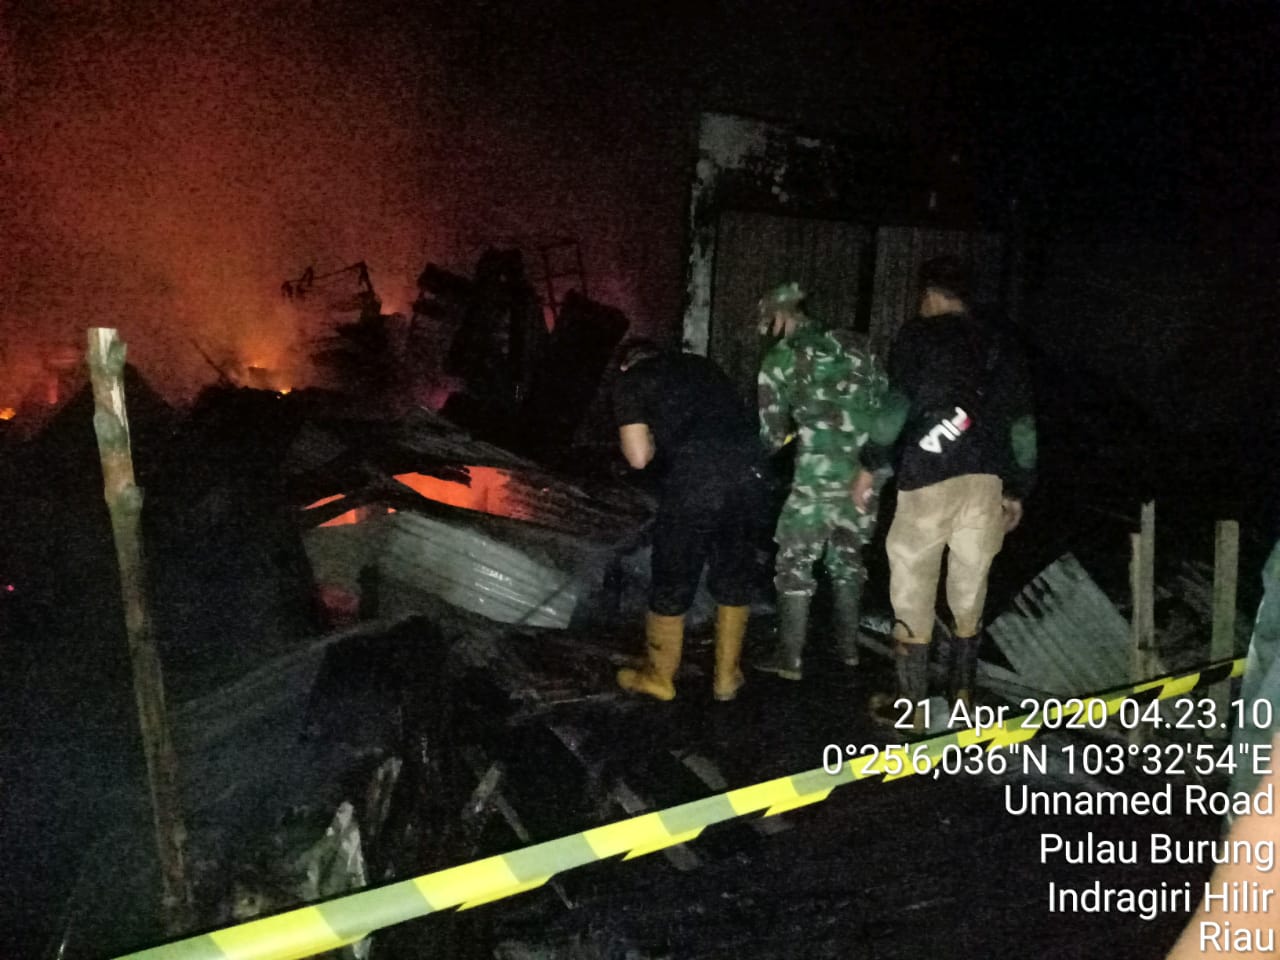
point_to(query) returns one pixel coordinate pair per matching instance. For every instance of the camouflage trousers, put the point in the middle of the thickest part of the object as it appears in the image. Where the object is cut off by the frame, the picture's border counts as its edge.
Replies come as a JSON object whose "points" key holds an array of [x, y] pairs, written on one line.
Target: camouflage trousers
{"points": [[822, 525]]}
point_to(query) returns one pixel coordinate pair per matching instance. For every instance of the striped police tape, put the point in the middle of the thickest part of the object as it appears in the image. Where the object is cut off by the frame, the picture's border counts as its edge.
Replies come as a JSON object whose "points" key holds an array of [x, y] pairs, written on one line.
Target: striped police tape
{"points": [[313, 929]]}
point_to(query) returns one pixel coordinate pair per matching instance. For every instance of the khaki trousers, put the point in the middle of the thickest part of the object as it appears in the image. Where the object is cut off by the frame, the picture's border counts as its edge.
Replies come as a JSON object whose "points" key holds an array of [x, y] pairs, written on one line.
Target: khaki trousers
{"points": [[963, 514]]}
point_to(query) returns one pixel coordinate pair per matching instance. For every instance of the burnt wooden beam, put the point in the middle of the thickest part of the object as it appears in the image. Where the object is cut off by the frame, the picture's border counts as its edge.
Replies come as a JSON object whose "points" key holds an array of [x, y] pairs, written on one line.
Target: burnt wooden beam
{"points": [[476, 760]]}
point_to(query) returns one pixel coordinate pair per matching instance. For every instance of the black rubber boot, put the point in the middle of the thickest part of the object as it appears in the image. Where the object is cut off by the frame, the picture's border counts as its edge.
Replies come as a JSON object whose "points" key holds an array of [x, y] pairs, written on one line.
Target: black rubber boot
{"points": [[911, 670], [911, 666], [793, 627], [963, 672], [913, 678], [846, 617]]}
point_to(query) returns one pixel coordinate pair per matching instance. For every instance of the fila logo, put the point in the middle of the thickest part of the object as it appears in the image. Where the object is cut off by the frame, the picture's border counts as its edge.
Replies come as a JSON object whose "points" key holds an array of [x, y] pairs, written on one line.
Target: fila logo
{"points": [[947, 429]]}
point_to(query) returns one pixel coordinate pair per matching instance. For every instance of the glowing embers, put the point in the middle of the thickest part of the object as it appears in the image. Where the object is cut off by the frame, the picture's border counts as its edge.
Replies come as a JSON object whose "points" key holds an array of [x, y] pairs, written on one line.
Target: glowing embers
{"points": [[354, 515], [488, 492], [277, 375], [358, 515]]}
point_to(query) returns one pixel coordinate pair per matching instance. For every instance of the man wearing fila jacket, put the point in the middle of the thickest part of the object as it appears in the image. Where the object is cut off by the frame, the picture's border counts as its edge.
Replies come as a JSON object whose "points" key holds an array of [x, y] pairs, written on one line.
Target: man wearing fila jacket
{"points": [[964, 456]]}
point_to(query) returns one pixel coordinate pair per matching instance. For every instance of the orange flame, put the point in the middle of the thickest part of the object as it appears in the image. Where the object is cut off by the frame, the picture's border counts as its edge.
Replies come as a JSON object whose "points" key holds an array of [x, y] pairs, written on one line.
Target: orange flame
{"points": [[177, 168], [350, 517], [486, 493], [7, 413], [323, 500]]}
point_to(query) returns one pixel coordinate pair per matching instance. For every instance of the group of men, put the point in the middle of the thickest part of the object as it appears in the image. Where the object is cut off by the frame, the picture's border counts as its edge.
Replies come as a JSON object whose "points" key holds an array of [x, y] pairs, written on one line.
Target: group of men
{"points": [[950, 418]]}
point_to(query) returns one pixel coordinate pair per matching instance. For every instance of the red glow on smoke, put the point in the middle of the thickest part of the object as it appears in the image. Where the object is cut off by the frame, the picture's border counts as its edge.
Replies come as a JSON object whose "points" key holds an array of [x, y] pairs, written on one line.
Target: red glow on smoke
{"points": [[165, 170], [165, 167]]}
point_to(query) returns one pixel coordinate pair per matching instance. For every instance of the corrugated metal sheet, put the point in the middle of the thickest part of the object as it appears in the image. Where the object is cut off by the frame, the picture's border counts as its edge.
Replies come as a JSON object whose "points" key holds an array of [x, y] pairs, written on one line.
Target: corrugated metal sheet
{"points": [[1063, 636], [605, 513], [538, 498], [899, 253], [432, 435], [512, 542], [469, 570], [418, 556], [757, 251]]}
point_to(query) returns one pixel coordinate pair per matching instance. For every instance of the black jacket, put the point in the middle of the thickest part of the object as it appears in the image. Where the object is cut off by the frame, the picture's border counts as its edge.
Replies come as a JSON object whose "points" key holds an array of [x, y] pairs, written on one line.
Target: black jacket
{"points": [[703, 433], [960, 403]]}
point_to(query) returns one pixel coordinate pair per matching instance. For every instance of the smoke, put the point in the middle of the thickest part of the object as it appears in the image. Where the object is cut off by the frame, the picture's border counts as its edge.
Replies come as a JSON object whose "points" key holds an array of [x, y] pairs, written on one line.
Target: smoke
{"points": [[164, 173], [164, 168]]}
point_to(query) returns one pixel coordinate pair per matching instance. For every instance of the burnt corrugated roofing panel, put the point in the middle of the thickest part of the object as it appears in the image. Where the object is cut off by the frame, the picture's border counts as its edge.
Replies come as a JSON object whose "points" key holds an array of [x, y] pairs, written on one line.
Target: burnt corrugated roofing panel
{"points": [[1063, 635], [473, 571]]}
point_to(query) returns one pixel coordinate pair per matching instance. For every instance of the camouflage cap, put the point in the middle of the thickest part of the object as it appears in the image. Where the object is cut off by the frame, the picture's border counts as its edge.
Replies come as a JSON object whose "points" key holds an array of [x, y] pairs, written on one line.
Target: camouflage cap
{"points": [[782, 297], [785, 297]]}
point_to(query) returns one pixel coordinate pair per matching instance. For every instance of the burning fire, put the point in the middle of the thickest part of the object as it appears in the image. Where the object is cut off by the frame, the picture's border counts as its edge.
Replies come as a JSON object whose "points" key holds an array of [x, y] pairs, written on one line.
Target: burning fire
{"points": [[486, 493], [358, 515], [264, 375], [7, 413], [164, 167], [170, 166], [350, 517]]}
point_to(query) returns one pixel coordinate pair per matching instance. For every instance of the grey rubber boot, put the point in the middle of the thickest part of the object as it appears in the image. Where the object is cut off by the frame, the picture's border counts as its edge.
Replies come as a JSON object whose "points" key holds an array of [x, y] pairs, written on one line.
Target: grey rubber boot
{"points": [[793, 627], [846, 617]]}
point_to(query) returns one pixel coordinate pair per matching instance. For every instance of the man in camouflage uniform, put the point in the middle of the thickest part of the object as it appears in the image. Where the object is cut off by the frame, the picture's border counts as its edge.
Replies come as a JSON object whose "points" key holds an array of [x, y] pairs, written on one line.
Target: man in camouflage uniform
{"points": [[823, 386]]}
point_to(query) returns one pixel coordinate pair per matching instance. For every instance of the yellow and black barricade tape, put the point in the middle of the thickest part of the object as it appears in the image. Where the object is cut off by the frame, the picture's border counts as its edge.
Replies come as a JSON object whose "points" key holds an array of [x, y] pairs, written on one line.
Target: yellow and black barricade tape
{"points": [[319, 927]]}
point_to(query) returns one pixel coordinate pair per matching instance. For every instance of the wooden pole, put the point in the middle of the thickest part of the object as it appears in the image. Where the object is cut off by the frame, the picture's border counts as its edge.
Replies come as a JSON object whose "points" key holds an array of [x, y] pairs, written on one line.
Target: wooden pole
{"points": [[1142, 627], [124, 501], [1226, 564]]}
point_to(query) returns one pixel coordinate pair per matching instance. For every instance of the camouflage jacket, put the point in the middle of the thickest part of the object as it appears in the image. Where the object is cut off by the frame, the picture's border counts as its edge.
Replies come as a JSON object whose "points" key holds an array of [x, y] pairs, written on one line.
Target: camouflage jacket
{"points": [[826, 388]]}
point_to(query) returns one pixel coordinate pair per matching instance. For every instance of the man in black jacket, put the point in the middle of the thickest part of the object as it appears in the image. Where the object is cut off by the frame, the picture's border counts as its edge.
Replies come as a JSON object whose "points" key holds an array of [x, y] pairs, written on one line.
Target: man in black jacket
{"points": [[964, 453], [681, 413]]}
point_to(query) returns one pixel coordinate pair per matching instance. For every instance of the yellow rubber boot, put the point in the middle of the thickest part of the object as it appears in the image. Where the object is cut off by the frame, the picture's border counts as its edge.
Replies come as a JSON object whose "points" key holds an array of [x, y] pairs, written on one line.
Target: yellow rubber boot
{"points": [[731, 628], [665, 639]]}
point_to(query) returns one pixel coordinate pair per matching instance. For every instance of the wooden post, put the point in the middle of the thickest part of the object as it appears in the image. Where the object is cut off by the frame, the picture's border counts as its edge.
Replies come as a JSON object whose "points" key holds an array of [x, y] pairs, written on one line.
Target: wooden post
{"points": [[1142, 628], [1226, 561], [124, 501]]}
